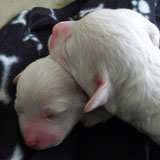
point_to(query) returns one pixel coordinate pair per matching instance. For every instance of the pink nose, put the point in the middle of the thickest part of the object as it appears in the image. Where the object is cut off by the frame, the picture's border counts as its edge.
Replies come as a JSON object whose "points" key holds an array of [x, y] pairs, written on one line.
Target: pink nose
{"points": [[61, 27], [37, 138]]}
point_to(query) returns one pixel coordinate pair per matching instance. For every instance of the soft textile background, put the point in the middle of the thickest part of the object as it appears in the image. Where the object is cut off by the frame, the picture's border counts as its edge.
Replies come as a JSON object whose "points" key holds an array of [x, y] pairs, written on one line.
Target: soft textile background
{"points": [[10, 8], [24, 40]]}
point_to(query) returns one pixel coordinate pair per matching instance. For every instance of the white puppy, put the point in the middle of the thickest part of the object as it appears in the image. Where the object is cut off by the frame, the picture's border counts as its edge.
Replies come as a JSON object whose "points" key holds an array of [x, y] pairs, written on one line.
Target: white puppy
{"points": [[114, 56], [49, 103]]}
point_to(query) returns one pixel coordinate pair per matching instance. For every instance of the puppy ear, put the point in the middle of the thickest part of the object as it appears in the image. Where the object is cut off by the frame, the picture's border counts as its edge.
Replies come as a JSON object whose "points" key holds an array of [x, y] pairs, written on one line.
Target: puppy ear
{"points": [[100, 97], [15, 80]]}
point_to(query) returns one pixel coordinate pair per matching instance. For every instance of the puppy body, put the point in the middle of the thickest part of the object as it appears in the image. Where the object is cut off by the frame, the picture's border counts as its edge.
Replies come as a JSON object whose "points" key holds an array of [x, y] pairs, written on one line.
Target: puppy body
{"points": [[49, 103], [114, 56]]}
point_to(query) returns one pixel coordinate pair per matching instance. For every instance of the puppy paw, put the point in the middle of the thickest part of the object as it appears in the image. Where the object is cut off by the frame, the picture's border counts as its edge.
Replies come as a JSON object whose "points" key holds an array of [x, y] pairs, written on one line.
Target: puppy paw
{"points": [[99, 115]]}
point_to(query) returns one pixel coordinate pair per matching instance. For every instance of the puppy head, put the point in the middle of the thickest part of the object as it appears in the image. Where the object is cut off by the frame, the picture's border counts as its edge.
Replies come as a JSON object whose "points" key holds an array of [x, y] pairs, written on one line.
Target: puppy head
{"points": [[48, 103], [81, 44], [98, 49]]}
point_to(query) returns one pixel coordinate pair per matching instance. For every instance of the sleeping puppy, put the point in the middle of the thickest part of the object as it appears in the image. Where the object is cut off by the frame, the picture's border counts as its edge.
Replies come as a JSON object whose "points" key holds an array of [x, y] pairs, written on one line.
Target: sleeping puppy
{"points": [[48, 102], [114, 56]]}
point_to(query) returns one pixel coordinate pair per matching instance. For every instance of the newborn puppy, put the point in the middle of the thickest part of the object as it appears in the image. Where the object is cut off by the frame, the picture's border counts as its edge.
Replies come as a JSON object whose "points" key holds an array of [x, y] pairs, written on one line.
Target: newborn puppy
{"points": [[48, 103], [114, 56]]}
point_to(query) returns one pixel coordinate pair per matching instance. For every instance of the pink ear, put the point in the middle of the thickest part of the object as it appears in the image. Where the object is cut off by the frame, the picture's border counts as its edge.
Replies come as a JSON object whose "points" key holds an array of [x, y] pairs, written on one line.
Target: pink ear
{"points": [[99, 98], [15, 80]]}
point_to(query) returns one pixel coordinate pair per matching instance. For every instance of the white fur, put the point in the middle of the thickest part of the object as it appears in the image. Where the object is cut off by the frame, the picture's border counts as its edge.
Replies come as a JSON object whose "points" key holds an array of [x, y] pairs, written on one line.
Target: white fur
{"points": [[45, 85], [121, 49]]}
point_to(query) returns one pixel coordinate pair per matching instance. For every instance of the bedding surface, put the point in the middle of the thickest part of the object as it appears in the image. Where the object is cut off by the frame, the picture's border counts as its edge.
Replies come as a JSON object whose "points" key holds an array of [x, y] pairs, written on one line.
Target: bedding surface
{"points": [[24, 40]]}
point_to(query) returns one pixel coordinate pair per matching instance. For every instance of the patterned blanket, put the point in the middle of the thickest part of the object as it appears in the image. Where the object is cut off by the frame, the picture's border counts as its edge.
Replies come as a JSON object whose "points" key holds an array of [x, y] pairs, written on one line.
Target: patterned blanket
{"points": [[23, 41]]}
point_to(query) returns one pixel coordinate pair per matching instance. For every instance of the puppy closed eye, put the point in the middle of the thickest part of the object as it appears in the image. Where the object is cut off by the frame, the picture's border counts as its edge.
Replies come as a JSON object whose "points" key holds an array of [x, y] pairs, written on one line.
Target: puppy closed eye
{"points": [[48, 114], [51, 116]]}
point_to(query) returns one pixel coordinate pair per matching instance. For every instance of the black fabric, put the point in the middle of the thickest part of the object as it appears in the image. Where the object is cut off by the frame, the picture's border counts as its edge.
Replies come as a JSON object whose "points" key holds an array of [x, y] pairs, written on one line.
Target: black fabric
{"points": [[23, 41], [157, 13]]}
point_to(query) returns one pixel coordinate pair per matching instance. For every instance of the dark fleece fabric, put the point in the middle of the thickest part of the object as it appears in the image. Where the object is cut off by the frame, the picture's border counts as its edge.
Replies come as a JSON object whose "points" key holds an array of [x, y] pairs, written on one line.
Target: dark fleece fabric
{"points": [[23, 41]]}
